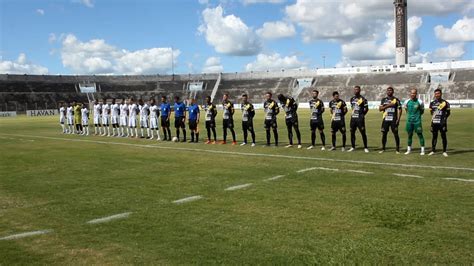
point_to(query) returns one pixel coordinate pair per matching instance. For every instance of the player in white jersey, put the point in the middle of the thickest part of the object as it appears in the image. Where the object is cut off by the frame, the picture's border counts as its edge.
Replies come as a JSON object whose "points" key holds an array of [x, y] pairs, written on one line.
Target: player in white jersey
{"points": [[132, 117], [70, 118], [115, 111], [154, 114], [85, 119], [106, 118], [97, 115], [124, 118], [62, 117], [144, 112]]}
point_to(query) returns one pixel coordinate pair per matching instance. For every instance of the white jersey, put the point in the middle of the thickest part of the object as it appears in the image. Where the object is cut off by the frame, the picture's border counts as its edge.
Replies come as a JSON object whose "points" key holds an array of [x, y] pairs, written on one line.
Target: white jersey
{"points": [[97, 112], [62, 116], [132, 110], [85, 116], [105, 109], [124, 109], [70, 115], [144, 111], [154, 111], [115, 110]]}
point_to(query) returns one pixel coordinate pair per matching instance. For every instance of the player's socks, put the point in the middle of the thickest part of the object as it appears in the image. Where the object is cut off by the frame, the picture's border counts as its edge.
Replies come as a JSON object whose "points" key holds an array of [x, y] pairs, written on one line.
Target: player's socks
{"points": [[177, 133], [108, 131], [158, 134], [323, 138], [408, 150], [148, 132], [62, 126], [136, 132], [184, 134], [313, 138], [422, 151], [197, 136]]}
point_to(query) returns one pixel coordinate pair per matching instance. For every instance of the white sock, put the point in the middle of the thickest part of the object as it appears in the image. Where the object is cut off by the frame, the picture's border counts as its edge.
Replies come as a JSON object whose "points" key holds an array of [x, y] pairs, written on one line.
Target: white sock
{"points": [[148, 131], [108, 130], [422, 149], [152, 135], [62, 126], [128, 132], [158, 133], [141, 132], [409, 148], [136, 132]]}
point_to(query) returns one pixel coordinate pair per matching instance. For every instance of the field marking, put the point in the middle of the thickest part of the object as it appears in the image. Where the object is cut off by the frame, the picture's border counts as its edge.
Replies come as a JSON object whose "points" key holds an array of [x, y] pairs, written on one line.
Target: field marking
{"points": [[26, 234], [459, 179], [359, 172], [109, 218], [238, 187], [317, 168], [246, 154], [405, 175], [274, 178], [188, 199]]}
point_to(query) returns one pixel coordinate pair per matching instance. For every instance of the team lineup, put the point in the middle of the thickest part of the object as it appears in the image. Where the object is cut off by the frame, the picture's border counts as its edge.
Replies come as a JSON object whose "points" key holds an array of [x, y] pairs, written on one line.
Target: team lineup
{"points": [[143, 119]]}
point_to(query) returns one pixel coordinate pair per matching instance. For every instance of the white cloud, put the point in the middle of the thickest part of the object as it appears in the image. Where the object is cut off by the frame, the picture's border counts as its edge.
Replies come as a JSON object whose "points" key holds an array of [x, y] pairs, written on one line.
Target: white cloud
{"points": [[21, 66], [87, 3], [274, 62], [228, 34], [40, 11], [213, 65], [461, 31], [203, 2], [451, 52], [98, 57], [276, 30], [249, 2]]}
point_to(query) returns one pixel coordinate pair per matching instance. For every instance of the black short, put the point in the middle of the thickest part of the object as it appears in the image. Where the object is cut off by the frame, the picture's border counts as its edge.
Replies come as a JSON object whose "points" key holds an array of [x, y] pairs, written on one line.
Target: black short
{"points": [[193, 124], [338, 126], [315, 124], [291, 122], [179, 122], [386, 125], [247, 125], [439, 127], [270, 124], [357, 124], [210, 124], [228, 123], [165, 122]]}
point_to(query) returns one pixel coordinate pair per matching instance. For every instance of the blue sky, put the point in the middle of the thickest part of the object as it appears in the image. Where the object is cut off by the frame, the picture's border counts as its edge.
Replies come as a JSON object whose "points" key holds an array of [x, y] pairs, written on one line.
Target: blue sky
{"points": [[136, 37]]}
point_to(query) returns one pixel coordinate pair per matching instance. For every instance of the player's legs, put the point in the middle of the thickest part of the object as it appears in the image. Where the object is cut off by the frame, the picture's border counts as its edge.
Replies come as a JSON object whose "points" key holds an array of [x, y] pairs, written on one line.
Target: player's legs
{"points": [[289, 128], [353, 129], [252, 133], [275, 132], [363, 132], [419, 133], [434, 139], [298, 133], [245, 131], [445, 140]]}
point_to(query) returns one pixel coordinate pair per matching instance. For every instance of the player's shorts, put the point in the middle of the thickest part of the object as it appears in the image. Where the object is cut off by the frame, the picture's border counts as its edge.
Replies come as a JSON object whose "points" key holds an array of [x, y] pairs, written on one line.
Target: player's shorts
{"points": [[62, 120], [210, 124], [389, 125], [123, 120], [105, 120], [115, 120], [179, 122], [70, 120], [291, 122], [247, 125], [357, 123], [443, 127], [228, 123], [414, 127], [338, 126], [315, 124], [271, 123], [96, 120], [132, 122], [193, 124], [143, 122], [165, 122], [85, 121], [154, 122]]}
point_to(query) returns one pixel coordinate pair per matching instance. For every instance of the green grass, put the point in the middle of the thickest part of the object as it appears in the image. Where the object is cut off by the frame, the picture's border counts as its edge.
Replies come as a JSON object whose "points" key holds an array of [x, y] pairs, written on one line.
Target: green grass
{"points": [[323, 217]]}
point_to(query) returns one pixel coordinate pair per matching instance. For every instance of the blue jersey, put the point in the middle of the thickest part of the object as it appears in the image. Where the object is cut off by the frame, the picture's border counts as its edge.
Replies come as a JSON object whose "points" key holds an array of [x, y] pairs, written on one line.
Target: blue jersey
{"points": [[179, 109], [193, 110], [165, 109]]}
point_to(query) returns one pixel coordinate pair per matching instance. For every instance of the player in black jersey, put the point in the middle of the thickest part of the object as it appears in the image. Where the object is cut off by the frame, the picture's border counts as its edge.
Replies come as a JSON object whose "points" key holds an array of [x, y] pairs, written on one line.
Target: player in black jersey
{"points": [[291, 118], [228, 118], [271, 111], [248, 113], [392, 112], [360, 107], [211, 113], [316, 120], [338, 110], [440, 111]]}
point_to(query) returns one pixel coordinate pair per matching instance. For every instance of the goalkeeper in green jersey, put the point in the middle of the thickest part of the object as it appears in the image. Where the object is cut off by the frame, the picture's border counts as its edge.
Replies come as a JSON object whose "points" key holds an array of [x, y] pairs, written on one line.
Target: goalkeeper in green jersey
{"points": [[414, 109]]}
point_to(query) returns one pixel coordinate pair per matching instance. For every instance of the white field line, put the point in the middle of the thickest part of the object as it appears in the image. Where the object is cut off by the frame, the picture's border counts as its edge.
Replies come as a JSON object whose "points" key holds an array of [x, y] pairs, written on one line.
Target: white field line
{"points": [[188, 199], [405, 175], [247, 154], [274, 178], [317, 168], [238, 187], [459, 179], [26, 234], [359, 172], [109, 218]]}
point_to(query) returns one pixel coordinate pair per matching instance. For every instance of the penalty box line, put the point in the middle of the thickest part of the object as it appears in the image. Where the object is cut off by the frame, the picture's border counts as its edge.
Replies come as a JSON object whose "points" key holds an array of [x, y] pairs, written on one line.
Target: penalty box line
{"points": [[249, 153]]}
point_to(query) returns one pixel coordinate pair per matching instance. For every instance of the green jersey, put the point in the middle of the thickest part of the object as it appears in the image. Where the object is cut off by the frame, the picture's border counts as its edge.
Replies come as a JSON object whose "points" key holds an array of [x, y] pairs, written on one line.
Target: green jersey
{"points": [[415, 109]]}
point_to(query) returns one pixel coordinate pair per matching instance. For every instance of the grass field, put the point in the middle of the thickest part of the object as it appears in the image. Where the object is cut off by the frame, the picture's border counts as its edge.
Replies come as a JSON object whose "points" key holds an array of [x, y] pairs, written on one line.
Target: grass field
{"points": [[361, 213]]}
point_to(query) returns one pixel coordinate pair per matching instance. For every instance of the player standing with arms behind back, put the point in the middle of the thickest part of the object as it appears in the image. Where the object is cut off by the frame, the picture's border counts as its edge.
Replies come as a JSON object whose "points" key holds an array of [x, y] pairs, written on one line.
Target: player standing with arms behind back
{"points": [[115, 117], [179, 109], [165, 109], [338, 110], [271, 111], [132, 117], [62, 117], [291, 118], [194, 114], [154, 115], [392, 112], [248, 113], [97, 115], [316, 120], [106, 118], [415, 109], [70, 118], [360, 107], [124, 119], [228, 118], [440, 111], [85, 119], [211, 113]]}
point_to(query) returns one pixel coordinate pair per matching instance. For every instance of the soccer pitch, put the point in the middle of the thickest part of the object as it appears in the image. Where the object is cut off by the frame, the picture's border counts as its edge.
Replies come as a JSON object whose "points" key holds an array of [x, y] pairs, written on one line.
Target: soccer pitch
{"points": [[260, 205]]}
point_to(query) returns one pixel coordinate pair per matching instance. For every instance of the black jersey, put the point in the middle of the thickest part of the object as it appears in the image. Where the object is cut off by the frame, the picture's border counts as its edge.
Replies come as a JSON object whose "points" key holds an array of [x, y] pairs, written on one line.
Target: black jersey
{"points": [[248, 111], [228, 112], [359, 106], [317, 110], [271, 109], [290, 107], [339, 109], [440, 111], [391, 114], [211, 112]]}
